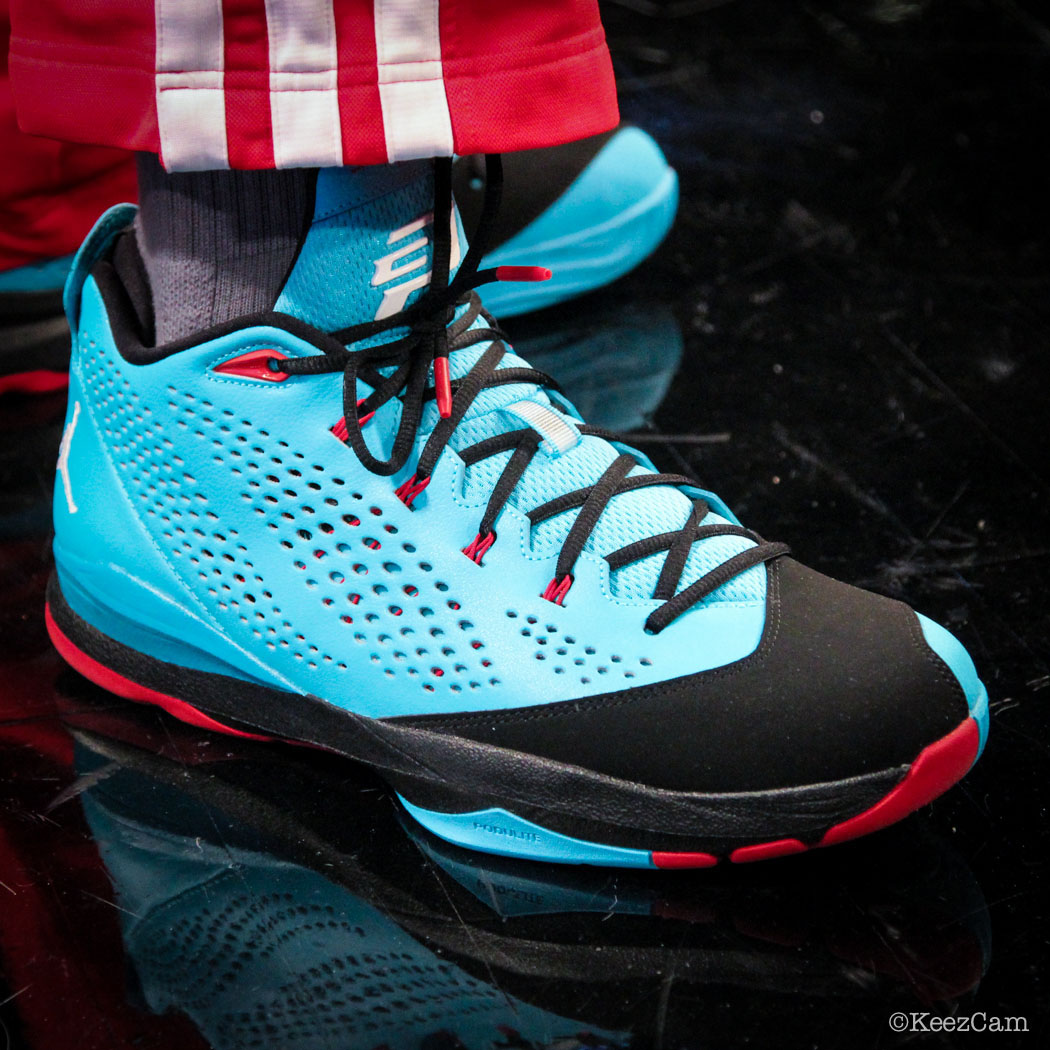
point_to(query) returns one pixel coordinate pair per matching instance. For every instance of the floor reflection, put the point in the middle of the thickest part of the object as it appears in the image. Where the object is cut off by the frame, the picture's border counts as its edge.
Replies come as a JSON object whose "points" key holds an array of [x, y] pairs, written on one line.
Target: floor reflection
{"points": [[277, 897]]}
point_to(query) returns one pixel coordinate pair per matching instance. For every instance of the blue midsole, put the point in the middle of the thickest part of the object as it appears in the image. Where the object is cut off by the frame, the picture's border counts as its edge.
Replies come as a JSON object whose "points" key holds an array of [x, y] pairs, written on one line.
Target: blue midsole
{"points": [[497, 831]]}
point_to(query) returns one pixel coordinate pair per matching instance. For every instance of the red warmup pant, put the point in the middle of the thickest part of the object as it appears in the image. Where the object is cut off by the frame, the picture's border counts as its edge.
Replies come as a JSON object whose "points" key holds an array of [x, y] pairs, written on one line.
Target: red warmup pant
{"points": [[287, 83], [50, 192]]}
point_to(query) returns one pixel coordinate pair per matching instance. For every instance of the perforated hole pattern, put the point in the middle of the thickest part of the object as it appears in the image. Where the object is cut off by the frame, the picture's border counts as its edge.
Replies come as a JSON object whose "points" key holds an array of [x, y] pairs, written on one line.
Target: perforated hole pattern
{"points": [[351, 561], [232, 956], [569, 656]]}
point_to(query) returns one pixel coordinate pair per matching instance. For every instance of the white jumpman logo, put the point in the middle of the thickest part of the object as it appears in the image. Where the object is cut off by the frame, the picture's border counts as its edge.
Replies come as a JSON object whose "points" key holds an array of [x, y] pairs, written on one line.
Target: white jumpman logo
{"points": [[63, 457]]}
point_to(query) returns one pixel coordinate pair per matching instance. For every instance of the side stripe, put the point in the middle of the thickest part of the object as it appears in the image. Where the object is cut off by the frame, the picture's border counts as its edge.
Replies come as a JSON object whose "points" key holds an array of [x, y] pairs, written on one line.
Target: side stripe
{"points": [[304, 97], [191, 106], [416, 119]]}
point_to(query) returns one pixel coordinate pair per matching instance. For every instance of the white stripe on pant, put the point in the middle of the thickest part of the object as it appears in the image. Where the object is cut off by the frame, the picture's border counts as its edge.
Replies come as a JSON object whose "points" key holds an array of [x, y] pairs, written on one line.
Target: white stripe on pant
{"points": [[191, 106], [303, 80], [304, 95], [416, 117]]}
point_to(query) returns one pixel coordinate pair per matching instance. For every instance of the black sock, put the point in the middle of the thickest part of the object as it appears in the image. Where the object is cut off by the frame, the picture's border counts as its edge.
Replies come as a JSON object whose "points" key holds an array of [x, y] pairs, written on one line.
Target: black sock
{"points": [[217, 244]]}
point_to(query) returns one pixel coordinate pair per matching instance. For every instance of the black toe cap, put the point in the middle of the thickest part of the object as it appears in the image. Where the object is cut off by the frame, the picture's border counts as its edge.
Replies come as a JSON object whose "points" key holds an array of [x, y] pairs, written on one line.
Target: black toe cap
{"points": [[842, 684]]}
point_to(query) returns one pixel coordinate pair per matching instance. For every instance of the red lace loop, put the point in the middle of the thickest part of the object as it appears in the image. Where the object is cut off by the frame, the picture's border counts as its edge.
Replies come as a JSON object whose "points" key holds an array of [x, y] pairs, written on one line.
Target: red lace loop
{"points": [[362, 420], [478, 547], [408, 491], [339, 429], [557, 589]]}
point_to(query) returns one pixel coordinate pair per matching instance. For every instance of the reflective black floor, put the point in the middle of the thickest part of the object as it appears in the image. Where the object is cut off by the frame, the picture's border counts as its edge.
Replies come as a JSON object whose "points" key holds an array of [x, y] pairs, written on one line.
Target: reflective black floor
{"points": [[847, 336]]}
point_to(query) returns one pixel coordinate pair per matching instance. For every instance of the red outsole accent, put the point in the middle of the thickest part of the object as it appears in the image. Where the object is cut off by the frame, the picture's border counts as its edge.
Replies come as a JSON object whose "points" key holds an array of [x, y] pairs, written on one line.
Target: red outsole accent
{"points": [[91, 669], [41, 381], [684, 860], [767, 850], [938, 766]]}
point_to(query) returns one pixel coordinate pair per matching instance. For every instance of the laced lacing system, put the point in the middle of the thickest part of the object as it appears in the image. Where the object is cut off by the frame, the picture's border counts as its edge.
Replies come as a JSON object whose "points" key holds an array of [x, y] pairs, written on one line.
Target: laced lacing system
{"points": [[434, 332]]}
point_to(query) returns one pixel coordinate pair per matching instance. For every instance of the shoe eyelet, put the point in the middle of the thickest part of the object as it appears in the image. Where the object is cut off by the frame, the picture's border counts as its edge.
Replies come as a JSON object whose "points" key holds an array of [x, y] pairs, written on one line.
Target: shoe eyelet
{"points": [[256, 364], [409, 490], [479, 547], [557, 589]]}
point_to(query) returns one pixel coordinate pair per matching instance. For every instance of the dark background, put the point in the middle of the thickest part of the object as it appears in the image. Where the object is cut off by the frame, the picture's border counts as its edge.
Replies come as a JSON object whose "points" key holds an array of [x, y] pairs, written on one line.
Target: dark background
{"points": [[860, 269]]}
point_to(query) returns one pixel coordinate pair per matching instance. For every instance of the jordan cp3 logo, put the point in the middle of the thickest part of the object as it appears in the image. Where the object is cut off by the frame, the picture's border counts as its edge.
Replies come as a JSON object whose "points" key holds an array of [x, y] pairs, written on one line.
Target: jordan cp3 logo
{"points": [[63, 457], [390, 268]]}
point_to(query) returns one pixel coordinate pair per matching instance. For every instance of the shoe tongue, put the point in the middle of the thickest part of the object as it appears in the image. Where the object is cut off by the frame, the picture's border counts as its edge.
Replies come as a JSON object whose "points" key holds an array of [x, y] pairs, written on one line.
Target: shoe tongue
{"points": [[367, 252], [367, 255]]}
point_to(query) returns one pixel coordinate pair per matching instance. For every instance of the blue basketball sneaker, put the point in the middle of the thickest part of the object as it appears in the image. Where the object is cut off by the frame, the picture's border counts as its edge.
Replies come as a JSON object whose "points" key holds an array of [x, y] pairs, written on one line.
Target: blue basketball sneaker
{"points": [[591, 211], [360, 522]]}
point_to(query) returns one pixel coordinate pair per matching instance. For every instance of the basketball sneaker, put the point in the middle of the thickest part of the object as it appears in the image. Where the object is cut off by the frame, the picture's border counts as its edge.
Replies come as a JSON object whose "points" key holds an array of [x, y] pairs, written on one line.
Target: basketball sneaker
{"points": [[359, 521]]}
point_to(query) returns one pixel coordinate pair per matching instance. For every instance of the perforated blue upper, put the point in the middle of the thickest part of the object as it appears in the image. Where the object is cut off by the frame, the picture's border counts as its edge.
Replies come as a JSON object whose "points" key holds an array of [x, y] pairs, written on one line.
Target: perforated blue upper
{"points": [[222, 514], [283, 544], [333, 284]]}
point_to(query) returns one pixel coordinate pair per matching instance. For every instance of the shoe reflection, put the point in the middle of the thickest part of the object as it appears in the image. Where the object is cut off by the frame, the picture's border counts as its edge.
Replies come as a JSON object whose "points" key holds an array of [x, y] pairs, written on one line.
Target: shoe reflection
{"points": [[613, 360], [271, 933], [278, 899]]}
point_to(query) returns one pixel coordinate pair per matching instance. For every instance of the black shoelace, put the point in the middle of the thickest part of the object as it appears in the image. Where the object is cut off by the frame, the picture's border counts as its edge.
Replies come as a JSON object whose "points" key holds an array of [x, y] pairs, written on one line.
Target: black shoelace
{"points": [[435, 332]]}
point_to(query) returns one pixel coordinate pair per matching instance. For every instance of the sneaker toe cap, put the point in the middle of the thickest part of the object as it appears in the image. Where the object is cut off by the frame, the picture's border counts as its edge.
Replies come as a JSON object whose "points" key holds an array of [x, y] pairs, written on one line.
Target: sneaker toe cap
{"points": [[844, 683]]}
